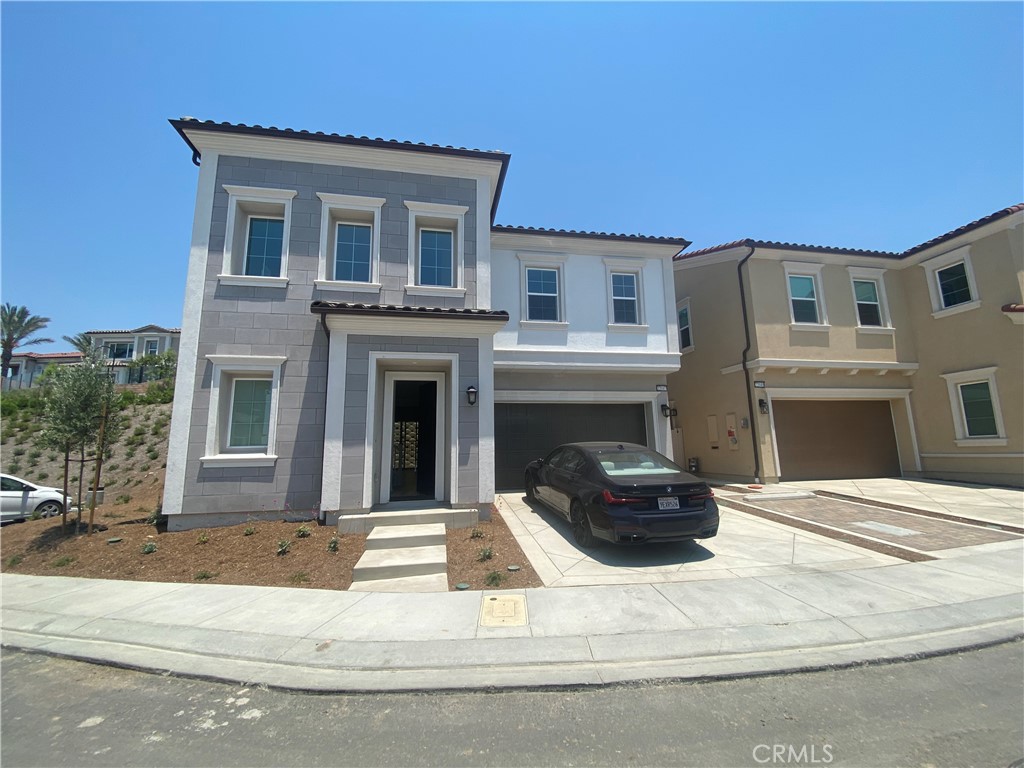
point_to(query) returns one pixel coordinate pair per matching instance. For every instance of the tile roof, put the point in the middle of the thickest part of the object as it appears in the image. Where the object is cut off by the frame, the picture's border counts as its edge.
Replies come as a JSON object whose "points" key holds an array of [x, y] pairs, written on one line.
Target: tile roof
{"points": [[47, 355], [140, 329], [391, 310], [507, 229], [855, 251]]}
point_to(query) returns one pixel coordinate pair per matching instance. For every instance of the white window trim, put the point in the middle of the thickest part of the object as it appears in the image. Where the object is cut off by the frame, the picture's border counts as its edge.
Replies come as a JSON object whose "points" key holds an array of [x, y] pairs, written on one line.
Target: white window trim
{"points": [[633, 267], [333, 210], [976, 376], [457, 215], [265, 195], [813, 271], [877, 276], [225, 368], [680, 305], [231, 414], [934, 265], [145, 346], [542, 261]]}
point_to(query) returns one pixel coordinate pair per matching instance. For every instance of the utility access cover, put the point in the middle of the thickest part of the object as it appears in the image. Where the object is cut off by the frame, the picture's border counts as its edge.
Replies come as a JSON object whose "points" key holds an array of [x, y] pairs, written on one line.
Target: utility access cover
{"points": [[503, 611]]}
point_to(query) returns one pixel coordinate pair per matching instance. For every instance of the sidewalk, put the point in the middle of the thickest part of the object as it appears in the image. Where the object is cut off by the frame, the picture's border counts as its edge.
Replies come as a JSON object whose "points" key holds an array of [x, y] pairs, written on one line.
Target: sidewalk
{"points": [[313, 640]]}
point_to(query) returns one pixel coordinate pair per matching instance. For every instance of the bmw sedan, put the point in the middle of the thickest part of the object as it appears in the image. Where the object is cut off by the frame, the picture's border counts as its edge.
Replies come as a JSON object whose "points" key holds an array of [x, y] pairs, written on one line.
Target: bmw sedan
{"points": [[622, 493]]}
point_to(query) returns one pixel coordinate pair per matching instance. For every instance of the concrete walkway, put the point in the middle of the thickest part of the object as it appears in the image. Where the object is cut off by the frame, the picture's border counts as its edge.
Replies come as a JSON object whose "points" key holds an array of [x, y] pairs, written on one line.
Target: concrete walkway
{"points": [[317, 640]]}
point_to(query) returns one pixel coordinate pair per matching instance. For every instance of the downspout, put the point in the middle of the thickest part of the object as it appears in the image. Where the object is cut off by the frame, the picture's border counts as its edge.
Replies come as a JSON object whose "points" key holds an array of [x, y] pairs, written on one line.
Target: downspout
{"points": [[743, 363], [196, 157], [322, 513]]}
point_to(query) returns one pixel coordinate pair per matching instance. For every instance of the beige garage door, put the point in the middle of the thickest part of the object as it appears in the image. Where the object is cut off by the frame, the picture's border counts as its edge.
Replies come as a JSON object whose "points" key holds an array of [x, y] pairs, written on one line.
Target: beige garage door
{"points": [[830, 439]]}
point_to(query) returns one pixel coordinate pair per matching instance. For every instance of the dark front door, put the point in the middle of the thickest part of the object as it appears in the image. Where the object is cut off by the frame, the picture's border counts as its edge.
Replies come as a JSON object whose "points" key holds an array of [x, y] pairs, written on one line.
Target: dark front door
{"points": [[413, 434]]}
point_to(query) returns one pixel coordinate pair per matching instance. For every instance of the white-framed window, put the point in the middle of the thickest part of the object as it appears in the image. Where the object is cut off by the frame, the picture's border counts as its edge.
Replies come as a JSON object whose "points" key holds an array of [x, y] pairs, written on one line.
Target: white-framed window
{"points": [[870, 303], [685, 328], [542, 277], [256, 236], [624, 283], [349, 243], [242, 423], [974, 401], [951, 283], [806, 300], [152, 346], [437, 236], [119, 350]]}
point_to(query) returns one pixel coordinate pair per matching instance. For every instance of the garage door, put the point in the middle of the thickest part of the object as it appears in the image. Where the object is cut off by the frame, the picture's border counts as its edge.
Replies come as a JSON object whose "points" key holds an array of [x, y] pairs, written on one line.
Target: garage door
{"points": [[822, 439], [527, 431]]}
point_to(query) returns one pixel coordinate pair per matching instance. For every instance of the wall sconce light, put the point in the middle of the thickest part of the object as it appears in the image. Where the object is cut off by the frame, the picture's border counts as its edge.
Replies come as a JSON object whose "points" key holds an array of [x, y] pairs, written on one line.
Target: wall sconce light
{"points": [[471, 394], [668, 412], [762, 404]]}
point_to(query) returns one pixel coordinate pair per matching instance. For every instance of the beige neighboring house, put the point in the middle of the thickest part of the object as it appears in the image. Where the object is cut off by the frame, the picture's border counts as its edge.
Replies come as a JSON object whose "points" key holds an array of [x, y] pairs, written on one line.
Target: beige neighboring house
{"points": [[120, 348], [807, 362], [27, 367]]}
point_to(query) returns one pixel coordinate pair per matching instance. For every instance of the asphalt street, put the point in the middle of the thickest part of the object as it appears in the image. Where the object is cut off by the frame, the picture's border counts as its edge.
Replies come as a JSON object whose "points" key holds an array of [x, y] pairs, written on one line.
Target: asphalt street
{"points": [[959, 710]]}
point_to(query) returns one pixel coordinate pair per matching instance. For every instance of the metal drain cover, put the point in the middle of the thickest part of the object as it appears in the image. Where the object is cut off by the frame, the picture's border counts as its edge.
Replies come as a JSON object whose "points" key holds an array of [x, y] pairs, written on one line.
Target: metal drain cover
{"points": [[503, 611]]}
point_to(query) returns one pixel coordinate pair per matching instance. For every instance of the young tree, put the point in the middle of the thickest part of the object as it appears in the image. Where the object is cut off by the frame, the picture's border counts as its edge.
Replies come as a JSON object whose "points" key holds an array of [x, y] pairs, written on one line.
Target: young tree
{"points": [[17, 327]]}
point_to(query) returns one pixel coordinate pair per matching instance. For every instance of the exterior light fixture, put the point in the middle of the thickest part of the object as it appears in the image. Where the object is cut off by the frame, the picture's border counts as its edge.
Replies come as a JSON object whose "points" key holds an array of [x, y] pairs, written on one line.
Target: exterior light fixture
{"points": [[668, 412], [763, 405], [471, 394]]}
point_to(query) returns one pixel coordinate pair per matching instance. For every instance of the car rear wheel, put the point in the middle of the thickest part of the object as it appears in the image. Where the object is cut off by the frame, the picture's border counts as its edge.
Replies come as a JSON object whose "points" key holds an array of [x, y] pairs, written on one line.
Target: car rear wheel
{"points": [[580, 523], [49, 509]]}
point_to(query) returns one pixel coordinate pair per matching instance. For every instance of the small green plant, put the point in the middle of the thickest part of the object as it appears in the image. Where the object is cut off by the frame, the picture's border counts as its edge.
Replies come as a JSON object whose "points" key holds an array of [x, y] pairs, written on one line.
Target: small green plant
{"points": [[138, 431], [34, 455], [19, 451], [485, 554], [300, 577], [51, 457], [42, 476], [60, 562], [249, 530], [283, 546], [14, 467], [73, 479], [204, 576], [494, 579], [13, 560], [149, 548], [152, 454], [36, 515], [332, 545], [203, 538], [476, 533], [303, 532], [113, 467], [124, 498]]}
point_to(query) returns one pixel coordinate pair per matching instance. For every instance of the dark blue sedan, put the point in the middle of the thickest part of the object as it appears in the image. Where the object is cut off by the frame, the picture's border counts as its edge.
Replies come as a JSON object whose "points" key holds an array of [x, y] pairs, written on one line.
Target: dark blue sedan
{"points": [[623, 493]]}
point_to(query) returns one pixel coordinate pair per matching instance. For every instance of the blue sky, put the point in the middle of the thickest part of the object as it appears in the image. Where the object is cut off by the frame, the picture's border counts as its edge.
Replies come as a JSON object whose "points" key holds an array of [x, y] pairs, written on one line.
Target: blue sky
{"points": [[871, 125]]}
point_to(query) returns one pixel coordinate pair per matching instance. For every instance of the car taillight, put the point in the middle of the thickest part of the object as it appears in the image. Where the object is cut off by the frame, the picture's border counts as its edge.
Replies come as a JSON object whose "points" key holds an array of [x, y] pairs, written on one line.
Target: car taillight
{"points": [[709, 495], [614, 498]]}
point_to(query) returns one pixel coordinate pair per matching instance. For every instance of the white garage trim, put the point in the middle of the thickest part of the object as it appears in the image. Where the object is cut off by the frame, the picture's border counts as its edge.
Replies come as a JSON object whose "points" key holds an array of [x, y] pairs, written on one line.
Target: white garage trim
{"points": [[795, 393]]}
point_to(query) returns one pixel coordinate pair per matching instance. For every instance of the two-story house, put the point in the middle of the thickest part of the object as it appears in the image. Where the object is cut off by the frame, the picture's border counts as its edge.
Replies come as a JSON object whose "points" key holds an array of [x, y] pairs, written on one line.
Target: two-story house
{"points": [[357, 333], [809, 362], [121, 347], [27, 367]]}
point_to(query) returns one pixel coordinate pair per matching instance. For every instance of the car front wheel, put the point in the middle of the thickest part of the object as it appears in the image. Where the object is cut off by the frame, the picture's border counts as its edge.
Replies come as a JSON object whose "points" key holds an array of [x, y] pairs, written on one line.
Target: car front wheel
{"points": [[581, 530], [49, 509], [531, 489]]}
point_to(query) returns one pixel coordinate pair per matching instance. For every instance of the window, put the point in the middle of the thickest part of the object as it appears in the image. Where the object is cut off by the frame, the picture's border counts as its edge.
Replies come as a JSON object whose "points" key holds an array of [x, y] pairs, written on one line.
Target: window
{"points": [[685, 334], [152, 346], [242, 423], [869, 299], [436, 249], [436, 258], [349, 243], [256, 236], [806, 304], [624, 299], [977, 418], [951, 283], [120, 350], [542, 294]]}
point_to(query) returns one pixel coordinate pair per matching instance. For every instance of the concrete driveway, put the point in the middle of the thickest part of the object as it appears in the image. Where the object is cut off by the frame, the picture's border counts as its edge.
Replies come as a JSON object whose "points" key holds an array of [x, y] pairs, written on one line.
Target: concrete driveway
{"points": [[745, 546]]}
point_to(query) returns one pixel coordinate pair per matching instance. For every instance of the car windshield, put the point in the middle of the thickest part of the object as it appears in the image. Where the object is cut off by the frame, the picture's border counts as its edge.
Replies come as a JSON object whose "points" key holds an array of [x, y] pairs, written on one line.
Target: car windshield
{"points": [[634, 462]]}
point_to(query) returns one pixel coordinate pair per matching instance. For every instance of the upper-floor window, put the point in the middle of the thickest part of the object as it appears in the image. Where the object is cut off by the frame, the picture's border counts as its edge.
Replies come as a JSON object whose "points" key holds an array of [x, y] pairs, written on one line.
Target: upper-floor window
{"points": [[685, 332], [625, 294], [256, 236], [349, 243], [120, 350], [542, 294], [869, 299], [977, 417], [806, 304], [437, 234], [951, 284], [869, 310], [152, 346], [625, 300]]}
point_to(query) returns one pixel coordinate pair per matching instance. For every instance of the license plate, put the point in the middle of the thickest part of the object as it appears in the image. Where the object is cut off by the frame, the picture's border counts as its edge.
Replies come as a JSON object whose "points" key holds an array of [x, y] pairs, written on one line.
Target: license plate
{"points": [[668, 502]]}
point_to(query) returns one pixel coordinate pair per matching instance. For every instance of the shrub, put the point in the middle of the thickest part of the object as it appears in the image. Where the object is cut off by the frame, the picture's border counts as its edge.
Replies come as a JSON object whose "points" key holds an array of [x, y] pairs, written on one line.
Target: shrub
{"points": [[42, 476], [19, 451], [204, 576], [149, 548], [303, 532], [124, 498], [51, 457], [60, 562], [494, 578], [152, 454], [14, 467], [34, 454], [299, 578], [476, 534], [13, 560], [203, 538], [332, 545], [249, 531], [282, 546], [485, 554]]}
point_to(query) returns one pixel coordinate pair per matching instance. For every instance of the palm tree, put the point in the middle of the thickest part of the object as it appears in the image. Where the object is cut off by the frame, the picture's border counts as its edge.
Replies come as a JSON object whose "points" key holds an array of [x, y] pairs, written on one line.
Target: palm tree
{"points": [[82, 343], [16, 326]]}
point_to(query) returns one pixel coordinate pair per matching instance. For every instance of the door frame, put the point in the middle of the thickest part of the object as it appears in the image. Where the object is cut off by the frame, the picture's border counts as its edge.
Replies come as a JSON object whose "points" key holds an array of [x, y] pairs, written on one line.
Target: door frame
{"points": [[387, 428]]}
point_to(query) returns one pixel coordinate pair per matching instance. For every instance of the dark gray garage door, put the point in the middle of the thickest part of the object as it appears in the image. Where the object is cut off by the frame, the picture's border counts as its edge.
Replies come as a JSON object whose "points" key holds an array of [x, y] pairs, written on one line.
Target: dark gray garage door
{"points": [[527, 431], [829, 439]]}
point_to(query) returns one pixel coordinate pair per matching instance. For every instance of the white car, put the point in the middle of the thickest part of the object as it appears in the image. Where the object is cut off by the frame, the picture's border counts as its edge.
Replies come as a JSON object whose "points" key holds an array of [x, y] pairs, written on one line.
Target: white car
{"points": [[19, 499]]}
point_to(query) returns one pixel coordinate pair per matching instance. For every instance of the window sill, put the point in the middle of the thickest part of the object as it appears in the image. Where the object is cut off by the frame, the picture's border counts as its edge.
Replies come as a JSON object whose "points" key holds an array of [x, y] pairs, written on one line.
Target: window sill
{"points": [[347, 285], [434, 290], [544, 325], [956, 310], [981, 442], [628, 328], [239, 460], [687, 350], [876, 329], [820, 327], [253, 281]]}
